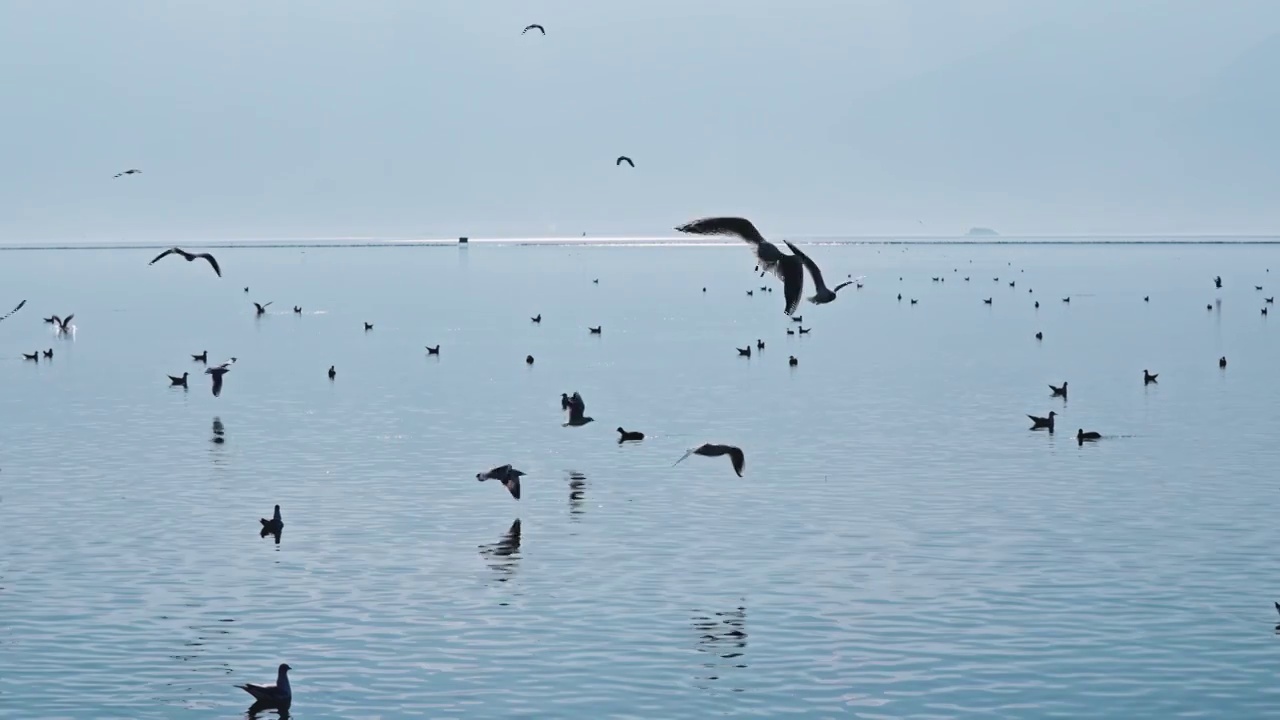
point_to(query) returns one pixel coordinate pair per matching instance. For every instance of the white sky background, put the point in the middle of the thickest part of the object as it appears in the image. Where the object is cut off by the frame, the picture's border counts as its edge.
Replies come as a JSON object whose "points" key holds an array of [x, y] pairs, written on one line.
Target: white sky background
{"points": [[410, 118]]}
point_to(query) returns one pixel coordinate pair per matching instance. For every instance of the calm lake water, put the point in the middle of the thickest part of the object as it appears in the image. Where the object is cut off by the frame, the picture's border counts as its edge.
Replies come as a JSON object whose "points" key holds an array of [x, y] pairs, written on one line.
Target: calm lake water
{"points": [[900, 547]]}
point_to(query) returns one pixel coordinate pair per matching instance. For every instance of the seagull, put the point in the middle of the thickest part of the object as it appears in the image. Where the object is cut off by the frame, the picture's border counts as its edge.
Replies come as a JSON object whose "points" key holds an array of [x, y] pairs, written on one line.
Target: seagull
{"points": [[1257, 287], [48, 353], [433, 350], [576, 408], [792, 361], [987, 301], [822, 295], [1066, 299], [262, 309], [536, 318], [63, 325], [1039, 336], [16, 309], [130, 171], [297, 309], [178, 381], [1059, 391], [797, 318], [274, 526], [595, 330], [745, 352], [528, 359], [278, 696], [805, 331], [1042, 422], [1148, 378], [534, 26], [623, 158], [788, 268], [332, 373], [34, 357], [1081, 436], [368, 326], [1217, 282], [1222, 361], [712, 450], [507, 475], [192, 256], [629, 435], [217, 372], [202, 357], [1269, 301]]}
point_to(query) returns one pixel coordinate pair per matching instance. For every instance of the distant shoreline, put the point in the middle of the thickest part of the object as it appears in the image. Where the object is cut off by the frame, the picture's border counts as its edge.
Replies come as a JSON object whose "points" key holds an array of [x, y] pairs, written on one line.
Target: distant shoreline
{"points": [[662, 241]]}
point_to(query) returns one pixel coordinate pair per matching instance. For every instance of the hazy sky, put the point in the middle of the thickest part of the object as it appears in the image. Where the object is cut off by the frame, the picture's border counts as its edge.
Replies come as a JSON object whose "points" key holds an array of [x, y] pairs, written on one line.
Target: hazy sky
{"points": [[410, 118]]}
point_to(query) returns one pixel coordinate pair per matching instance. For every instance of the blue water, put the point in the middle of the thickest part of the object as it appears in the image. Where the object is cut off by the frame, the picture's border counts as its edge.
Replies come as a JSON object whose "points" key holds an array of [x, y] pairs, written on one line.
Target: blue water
{"points": [[900, 547]]}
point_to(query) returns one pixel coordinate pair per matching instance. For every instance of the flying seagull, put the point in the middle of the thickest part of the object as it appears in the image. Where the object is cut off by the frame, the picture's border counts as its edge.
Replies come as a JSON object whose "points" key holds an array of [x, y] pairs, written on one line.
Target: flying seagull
{"points": [[130, 171], [534, 26], [261, 309], [576, 408], [189, 257], [277, 697], [822, 295], [788, 268], [63, 325], [217, 372], [713, 450], [507, 475], [623, 158], [16, 309]]}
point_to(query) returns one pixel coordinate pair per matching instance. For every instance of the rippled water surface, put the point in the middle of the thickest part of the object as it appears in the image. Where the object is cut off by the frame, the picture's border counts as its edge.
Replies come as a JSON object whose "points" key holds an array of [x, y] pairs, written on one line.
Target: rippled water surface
{"points": [[900, 547]]}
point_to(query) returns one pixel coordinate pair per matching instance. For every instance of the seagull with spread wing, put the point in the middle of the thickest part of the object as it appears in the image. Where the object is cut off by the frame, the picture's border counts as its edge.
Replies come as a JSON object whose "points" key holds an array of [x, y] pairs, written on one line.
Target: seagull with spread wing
{"points": [[534, 26], [130, 171], [16, 309], [713, 450], [624, 159], [788, 268], [189, 257]]}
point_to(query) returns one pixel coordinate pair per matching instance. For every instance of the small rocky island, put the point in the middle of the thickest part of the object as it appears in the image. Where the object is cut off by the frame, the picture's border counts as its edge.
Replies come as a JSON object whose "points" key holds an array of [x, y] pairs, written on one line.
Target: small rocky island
{"points": [[981, 232]]}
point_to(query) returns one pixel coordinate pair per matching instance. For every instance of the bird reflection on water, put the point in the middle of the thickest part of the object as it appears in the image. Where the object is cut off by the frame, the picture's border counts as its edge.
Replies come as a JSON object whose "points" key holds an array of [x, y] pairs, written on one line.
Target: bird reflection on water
{"points": [[724, 636], [577, 493], [259, 706], [504, 555]]}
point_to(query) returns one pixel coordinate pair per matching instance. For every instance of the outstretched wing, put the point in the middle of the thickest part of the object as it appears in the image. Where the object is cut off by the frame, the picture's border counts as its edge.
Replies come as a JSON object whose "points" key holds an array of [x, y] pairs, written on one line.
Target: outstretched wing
{"points": [[66, 321], [791, 270], [212, 262], [736, 226], [837, 288], [170, 251], [217, 384], [623, 158], [686, 454], [738, 458], [814, 272], [16, 309]]}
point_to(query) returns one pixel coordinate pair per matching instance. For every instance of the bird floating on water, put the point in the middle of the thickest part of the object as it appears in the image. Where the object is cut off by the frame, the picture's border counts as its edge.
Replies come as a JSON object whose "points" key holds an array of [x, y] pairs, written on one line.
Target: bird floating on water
{"points": [[745, 352], [333, 373], [987, 301], [792, 361], [624, 159], [368, 326], [1059, 391], [713, 450], [1039, 336], [130, 171], [576, 407], [433, 350], [1222, 361], [1082, 436], [190, 257], [1217, 282], [48, 354], [536, 318], [595, 330], [1039, 423], [534, 26], [202, 357], [507, 475], [1148, 377], [34, 357], [629, 436], [528, 359], [272, 697], [297, 309], [178, 381]]}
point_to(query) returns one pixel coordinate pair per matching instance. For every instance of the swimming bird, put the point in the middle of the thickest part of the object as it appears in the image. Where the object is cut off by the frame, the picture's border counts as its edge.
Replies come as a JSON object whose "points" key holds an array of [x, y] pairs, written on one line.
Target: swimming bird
{"points": [[899, 297], [1264, 310], [537, 318], [914, 301], [1222, 361], [595, 330], [261, 309], [792, 361], [433, 350], [1059, 391], [1209, 308], [1037, 304], [788, 268], [202, 357], [246, 288], [797, 319], [966, 278], [759, 344], [34, 357], [274, 525], [790, 331], [1042, 422], [1066, 299], [272, 697], [623, 158], [1269, 301], [1039, 336], [629, 436], [576, 408], [1146, 298], [192, 256], [333, 373], [1012, 283], [750, 293], [507, 475], [1148, 378], [986, 301], [534, 26], [1257, 287], [297, 309], [16, 309], [130, 171], [596, 281], [712, 450], [61, 325], [822, 295], [368, 326], [1217, 282], [1082, 436], [178, 381], [745, 352], [528, 359], [804, 330], [217, 372]]}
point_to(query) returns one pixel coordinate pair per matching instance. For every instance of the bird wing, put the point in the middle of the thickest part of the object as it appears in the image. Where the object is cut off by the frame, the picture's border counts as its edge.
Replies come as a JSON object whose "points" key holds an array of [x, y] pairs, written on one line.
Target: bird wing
{"points": [[686, 454], [260, 692], [212, 262], [170, 251], [577, 403], [16, 309], [67, 320], [846, 282], [621, 158], [217, 384], [738, 458], [512, 483], [792, 273], [810, 264], [736, 226]]}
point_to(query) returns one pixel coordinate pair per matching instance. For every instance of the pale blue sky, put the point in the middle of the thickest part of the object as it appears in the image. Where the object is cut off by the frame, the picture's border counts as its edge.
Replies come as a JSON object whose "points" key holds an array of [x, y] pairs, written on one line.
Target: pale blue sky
{"points": [[403, 118]]}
